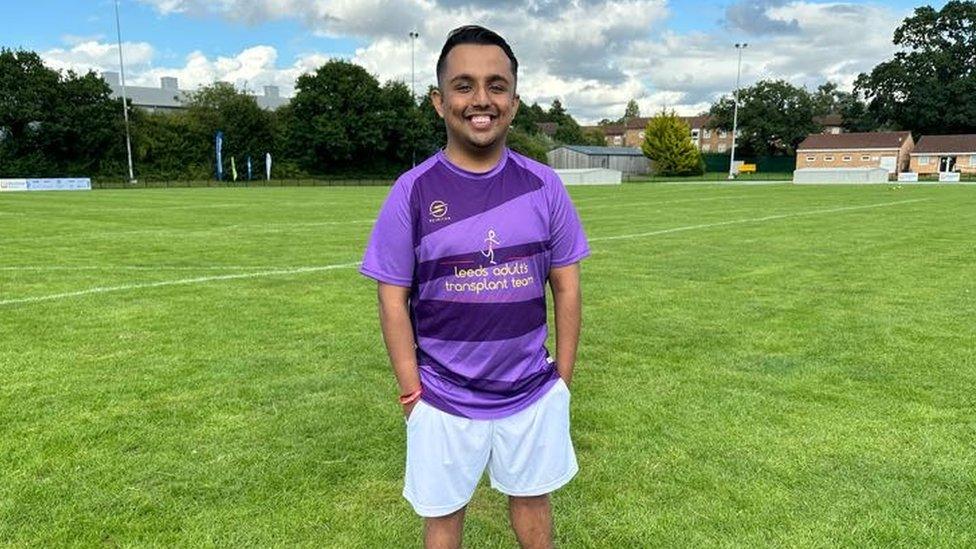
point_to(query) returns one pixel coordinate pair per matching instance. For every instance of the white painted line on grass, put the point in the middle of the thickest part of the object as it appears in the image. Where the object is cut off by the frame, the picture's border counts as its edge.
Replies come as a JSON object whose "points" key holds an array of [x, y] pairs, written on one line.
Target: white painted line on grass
{"points": [[662, 202], [180, 282], [146, 267], [754, 220]]}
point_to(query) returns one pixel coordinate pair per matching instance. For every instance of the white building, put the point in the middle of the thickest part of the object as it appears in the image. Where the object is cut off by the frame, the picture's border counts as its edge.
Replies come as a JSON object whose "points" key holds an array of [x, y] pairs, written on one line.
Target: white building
{"points": [[169, 97]]}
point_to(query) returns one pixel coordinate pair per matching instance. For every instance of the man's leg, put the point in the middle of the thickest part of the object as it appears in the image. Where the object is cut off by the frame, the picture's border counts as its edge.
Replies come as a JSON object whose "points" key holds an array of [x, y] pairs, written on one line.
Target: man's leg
{"points": [[444, 532], [532, 521]]}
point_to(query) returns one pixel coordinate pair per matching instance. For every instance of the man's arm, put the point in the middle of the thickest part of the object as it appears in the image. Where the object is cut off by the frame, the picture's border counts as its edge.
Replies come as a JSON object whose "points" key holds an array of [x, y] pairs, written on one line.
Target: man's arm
{"points": [[398, 335], [565, 284]]}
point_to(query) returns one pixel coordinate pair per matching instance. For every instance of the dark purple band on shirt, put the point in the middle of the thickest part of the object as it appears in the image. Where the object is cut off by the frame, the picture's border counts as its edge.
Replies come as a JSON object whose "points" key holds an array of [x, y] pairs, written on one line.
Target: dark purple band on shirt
{"points": [[501, 388], [457, 321], [441, 183]]}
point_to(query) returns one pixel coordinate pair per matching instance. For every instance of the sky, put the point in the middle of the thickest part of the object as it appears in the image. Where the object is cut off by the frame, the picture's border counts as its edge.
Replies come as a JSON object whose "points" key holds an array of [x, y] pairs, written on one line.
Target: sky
{"points": [[593, 55]]}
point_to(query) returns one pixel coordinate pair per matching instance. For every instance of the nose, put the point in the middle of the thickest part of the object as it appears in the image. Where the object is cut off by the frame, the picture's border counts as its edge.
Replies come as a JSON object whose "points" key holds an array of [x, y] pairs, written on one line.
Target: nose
{"points": [[480, 98]]}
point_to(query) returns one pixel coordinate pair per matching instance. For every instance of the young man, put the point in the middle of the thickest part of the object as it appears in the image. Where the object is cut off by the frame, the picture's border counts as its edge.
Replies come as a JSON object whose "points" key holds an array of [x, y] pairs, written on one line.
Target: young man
{"points": [[461, 251]]}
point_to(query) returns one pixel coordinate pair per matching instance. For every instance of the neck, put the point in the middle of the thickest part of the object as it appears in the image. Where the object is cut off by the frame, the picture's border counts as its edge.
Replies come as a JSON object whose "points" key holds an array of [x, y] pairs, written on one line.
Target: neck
{"points": [[477, 161]]}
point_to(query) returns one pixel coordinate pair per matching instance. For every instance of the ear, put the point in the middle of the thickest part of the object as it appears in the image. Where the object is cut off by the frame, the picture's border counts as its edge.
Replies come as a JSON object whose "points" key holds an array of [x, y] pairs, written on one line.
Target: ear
{"points": [[437, 100], [515, 105]]}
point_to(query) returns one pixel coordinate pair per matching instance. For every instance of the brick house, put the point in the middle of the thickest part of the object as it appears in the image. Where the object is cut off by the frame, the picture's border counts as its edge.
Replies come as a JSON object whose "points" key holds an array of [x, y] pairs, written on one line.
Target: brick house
{"points": [[889, 150], [707, 140], [944, 153]]}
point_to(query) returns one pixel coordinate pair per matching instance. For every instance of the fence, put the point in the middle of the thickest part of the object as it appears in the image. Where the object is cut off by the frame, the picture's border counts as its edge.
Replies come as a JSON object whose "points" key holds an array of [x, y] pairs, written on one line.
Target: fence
{"points": [[241, 184], [774, 164]]}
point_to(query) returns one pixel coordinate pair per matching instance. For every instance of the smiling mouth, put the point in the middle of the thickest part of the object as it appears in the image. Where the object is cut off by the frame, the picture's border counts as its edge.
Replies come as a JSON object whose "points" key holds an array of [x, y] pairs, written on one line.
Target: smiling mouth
{"points": [[481, 121]]}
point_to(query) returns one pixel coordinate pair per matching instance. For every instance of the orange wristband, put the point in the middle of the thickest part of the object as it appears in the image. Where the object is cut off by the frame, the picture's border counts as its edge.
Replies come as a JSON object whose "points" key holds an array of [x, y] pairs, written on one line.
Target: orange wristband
{"points": [[410, 397]]}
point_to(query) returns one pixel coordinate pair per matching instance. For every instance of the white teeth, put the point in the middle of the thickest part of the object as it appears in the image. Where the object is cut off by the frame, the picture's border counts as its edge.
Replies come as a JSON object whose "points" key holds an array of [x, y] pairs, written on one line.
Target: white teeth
{"points": [[481, 121]]}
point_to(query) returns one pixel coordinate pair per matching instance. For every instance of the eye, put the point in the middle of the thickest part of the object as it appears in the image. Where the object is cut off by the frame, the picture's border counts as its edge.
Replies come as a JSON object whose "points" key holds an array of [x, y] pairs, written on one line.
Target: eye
{"points": [[498, 88], [462, 87]]}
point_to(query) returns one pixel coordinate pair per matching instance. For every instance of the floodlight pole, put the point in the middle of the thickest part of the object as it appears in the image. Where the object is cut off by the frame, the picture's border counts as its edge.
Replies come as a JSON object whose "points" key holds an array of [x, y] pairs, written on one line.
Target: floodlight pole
{"points": [[414, 35], [735, 111], [125, 103]]}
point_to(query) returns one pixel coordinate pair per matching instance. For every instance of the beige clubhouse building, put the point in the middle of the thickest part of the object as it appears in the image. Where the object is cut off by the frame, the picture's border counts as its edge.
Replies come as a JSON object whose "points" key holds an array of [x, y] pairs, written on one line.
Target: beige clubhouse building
{"points": [[944, 153], [888, 150]]}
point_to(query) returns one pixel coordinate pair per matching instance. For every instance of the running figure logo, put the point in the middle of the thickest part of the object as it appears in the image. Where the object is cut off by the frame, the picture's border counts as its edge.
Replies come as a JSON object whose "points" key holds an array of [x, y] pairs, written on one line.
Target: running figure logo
{"points": [[490, 244]]}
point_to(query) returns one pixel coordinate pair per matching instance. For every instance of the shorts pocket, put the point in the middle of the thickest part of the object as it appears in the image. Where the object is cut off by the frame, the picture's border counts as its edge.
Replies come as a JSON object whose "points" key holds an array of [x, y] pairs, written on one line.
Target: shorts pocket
{"points": [[565, 387], [409, 420]]}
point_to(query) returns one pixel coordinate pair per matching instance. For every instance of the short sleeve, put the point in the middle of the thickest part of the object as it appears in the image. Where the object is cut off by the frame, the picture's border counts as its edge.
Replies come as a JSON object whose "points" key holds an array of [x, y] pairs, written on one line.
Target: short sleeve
{"points": [[389, 256], [568, 242]]}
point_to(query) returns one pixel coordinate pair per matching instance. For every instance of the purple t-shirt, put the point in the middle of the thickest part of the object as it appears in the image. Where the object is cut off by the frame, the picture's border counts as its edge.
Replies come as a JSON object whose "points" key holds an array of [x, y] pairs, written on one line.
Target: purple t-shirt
{"points": [[475, 250]]}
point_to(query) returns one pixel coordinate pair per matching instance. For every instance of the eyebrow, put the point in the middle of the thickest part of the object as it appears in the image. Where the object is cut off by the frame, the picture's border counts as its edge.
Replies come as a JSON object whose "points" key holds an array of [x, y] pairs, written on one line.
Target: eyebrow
{"points": [[491, 78]]}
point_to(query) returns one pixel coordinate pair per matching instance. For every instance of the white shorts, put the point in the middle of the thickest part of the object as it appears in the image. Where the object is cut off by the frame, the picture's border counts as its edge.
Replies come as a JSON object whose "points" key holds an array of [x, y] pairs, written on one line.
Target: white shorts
{"points": [[529, 453]]}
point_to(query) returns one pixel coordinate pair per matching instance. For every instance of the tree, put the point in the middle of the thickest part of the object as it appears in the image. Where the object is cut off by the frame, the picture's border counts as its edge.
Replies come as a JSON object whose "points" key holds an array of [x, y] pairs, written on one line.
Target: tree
{"points": [[568, 131], [774, 117], [436, 136], [667, 142], [406, 131], [533, 145], [830, 99], [54, 123], [556, 112], [336, 121], [248, 129], [632, 110], [594, 136], [930, 85]]}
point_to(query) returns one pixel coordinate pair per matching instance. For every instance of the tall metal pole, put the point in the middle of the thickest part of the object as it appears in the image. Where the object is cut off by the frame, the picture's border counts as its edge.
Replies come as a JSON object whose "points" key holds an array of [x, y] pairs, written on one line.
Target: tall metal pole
{"points": [[735, 115], [125, 103], [414, 35]]}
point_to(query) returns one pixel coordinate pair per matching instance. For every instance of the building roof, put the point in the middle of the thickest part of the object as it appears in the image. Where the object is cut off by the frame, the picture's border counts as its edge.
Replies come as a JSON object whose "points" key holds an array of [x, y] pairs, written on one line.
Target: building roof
{"points": [[933, 144], [639, 123], [694, 122], [169, 96], [854, 141], [604, 151], [142, 96]]}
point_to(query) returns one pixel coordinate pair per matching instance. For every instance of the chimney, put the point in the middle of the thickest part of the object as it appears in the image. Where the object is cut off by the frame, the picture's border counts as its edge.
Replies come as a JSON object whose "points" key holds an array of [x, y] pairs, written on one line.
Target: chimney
{"points": [[111, 77], [271, 91], [169, 83]]}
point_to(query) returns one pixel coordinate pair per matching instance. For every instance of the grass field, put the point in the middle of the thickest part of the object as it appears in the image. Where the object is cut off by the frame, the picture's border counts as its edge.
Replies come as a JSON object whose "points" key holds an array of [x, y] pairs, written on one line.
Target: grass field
{"points": [[764, 365]]}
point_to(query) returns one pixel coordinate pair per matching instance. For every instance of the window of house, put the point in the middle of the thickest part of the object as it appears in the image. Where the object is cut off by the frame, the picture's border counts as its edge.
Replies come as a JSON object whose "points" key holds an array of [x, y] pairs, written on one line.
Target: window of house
{"points": [[923, 160], [865, 157], [721, 147], [695, 134], [640, 135], [722, 134], [706, 147], [972, 161], [811, 158], [828, 159], [847, 158], [708, 133], [617, 140]]}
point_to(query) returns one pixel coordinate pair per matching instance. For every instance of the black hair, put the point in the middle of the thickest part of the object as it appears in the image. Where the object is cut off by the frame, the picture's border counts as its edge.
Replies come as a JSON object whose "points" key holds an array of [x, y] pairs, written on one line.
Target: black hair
{"points": [[474, 34]]}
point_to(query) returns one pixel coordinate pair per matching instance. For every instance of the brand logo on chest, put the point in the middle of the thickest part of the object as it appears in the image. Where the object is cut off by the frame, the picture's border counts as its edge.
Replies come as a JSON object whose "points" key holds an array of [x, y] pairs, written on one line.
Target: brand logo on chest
{"points": [[438, 212]]}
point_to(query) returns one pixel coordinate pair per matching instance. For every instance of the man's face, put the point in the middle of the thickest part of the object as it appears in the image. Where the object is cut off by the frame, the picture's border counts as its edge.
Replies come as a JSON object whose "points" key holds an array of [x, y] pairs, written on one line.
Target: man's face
{"points": [[477, 98]]}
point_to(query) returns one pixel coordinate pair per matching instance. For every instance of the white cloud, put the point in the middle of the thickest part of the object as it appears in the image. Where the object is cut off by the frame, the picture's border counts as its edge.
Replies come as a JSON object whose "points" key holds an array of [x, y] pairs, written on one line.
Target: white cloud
{"points": [[252, 69], [99, 56]]}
